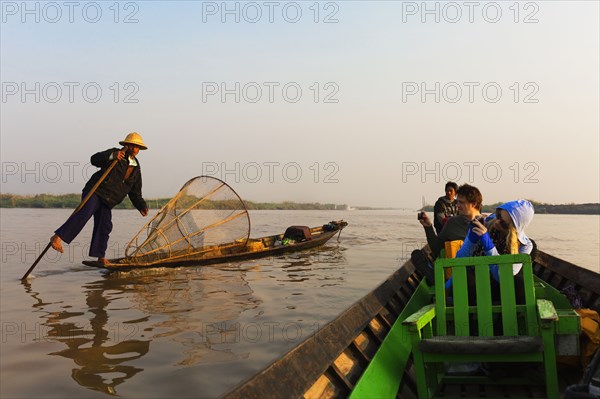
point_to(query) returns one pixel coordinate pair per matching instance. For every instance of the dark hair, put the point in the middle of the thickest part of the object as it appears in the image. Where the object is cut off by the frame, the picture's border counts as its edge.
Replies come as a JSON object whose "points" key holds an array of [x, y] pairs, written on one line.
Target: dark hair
{"points": [[451, 184], [471, 194]]}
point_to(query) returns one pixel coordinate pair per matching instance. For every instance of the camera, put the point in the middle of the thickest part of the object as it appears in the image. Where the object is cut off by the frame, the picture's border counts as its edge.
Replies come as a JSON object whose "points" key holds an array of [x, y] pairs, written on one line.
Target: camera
{"points": [[421, 215], [480, 219]]}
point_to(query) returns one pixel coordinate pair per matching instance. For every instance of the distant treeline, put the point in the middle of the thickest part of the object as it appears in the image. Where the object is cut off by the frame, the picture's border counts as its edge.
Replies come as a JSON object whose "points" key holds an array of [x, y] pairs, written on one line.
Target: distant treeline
{"points": [[71, 201], [568, 209]]}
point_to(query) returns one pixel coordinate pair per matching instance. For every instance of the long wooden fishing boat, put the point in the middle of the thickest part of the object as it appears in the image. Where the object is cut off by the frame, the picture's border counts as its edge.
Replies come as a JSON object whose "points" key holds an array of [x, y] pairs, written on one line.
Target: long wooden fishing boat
{"points": [[236, 251], [364, 353]]}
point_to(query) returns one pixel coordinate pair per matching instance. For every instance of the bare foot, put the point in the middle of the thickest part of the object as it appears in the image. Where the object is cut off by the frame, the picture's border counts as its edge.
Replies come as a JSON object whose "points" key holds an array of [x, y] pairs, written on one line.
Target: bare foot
{"points": [[103, 261], [56, 243]]}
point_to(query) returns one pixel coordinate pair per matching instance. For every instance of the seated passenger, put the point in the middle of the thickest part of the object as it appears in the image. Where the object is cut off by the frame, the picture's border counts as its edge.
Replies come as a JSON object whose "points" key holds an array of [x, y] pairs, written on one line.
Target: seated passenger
{"points": [[468, 205], [504, 234]]}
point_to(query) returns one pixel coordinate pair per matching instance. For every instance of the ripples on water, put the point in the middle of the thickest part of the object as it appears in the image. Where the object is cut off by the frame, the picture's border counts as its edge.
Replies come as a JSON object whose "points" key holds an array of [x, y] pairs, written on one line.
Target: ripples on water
{"points": [[194, 331]]}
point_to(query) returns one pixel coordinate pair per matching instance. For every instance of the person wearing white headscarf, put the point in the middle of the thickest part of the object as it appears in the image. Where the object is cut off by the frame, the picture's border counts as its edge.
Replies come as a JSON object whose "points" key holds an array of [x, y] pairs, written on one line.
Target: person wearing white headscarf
{"points": [[504, 234]]}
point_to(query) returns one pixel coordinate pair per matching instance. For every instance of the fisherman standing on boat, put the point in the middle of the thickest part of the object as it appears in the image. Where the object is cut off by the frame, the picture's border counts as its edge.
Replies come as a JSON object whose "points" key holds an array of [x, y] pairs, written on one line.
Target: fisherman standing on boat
{"points": [[125, 179], [445, 207]]}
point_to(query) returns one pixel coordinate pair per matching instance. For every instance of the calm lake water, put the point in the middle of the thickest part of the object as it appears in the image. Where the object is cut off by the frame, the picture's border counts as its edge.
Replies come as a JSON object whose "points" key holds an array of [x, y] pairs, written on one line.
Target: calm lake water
{"points": [[79, 332]]}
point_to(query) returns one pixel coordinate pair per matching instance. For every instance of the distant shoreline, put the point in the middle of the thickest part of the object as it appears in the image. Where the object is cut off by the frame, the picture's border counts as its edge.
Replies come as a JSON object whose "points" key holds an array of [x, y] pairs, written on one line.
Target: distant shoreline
{"points": [[70, 201], [542, 208]]}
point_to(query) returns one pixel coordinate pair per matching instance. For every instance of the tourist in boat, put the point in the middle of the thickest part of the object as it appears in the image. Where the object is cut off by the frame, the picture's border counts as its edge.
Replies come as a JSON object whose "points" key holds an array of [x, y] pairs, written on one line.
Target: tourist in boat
{"points": [[468, 204], [502, 233], [445, 206], [125, 179]]}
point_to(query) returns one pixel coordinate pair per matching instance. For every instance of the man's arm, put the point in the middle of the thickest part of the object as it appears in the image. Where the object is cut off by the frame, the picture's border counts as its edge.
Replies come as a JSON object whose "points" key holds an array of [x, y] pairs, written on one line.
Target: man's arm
{"points": [[435, 244], [432, 238], [135, 195], [102, 159]]}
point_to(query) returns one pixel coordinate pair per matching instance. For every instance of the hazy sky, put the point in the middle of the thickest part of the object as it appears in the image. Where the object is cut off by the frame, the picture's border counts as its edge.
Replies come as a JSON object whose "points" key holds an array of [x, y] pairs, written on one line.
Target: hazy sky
{"points": [[364, 103]]}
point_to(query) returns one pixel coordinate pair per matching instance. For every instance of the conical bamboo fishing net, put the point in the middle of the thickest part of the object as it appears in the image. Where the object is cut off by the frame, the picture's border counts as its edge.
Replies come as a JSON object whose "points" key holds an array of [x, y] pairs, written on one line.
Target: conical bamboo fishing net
{"points": [[205, 217]]}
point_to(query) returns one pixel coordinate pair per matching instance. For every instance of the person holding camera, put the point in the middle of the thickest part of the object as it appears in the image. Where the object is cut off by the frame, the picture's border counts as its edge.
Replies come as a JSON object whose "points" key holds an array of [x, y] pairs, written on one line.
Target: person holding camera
{"points": [[468, 205], [503, 232]]}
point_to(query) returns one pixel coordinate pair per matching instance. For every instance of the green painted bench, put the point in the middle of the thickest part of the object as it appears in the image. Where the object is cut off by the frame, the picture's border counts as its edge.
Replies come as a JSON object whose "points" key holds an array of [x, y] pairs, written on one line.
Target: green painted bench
{"points": [[457, 332]]}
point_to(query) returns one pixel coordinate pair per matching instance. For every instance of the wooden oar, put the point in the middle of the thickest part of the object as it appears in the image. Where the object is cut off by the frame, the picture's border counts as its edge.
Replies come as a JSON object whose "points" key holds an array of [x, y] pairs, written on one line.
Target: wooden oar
{"points": [[85, 199]]}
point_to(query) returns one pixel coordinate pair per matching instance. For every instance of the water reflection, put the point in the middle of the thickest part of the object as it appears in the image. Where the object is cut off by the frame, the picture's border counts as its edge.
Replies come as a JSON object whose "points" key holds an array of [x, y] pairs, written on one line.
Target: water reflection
{"points": [[321, 266], [190, 312], [145, 323], [99, 359], [202, 305]]}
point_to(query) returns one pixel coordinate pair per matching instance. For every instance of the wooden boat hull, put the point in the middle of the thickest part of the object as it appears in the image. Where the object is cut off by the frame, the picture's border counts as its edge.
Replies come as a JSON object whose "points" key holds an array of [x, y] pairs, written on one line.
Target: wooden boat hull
{"points": [[330, 363], [319, 237]]}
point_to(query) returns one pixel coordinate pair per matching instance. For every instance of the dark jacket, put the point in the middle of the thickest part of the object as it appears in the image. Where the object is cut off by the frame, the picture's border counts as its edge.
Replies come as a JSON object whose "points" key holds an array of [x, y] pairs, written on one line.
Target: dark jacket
{"points": [[114, 188], [443, 209], [456, 228]]}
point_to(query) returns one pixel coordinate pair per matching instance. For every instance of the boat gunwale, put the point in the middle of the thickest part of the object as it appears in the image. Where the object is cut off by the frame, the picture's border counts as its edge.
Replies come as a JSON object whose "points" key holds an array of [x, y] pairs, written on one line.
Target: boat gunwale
{"points": [[324, 346], [575, 274]]}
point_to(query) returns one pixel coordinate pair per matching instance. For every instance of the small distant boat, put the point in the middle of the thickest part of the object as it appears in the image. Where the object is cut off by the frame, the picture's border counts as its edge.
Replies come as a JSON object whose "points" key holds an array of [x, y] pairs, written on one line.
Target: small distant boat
{"points": [[235, 251]]}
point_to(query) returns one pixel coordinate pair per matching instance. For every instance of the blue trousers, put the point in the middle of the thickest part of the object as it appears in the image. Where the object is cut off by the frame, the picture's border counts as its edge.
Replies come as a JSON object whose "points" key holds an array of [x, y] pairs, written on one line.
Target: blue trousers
{"points": [[102, 225]]}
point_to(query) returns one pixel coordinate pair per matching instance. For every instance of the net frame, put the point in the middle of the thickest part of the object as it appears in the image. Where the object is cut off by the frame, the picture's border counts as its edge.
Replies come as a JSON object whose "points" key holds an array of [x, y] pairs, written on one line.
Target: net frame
{"points": [[133, 251]]}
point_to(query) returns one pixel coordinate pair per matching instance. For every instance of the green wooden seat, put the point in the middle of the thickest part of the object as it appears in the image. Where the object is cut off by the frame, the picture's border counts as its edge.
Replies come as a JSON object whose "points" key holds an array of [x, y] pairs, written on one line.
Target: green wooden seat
{"points": [[456, 332]]}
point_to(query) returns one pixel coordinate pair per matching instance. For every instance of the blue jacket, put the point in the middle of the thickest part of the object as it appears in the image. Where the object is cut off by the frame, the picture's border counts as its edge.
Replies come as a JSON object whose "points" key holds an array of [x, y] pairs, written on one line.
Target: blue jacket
{"points": [[521, 212]]}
